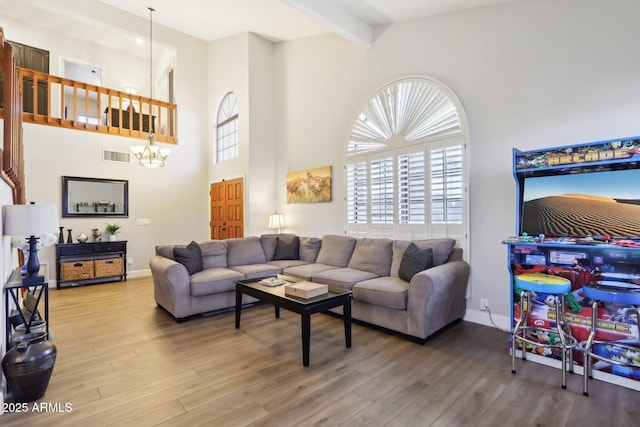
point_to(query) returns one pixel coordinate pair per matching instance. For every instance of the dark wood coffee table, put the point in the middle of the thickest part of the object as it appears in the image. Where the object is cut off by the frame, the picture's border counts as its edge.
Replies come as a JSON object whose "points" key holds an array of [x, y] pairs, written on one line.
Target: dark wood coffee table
{"points": [[305, 307]]}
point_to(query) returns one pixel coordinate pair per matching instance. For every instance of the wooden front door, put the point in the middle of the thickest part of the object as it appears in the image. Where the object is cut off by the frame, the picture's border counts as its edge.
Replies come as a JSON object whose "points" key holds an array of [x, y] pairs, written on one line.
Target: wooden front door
{"points": [[227, 209]]}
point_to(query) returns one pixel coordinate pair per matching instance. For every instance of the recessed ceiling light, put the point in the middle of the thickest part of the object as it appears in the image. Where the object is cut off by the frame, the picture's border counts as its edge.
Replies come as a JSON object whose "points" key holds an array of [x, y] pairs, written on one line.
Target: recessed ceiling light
{"points": [[139, 40]]}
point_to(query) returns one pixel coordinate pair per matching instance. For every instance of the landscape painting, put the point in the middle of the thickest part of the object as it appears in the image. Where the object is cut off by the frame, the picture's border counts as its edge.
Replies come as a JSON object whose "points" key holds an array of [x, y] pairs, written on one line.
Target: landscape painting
{"points": [[309, 186], [583, 204]]}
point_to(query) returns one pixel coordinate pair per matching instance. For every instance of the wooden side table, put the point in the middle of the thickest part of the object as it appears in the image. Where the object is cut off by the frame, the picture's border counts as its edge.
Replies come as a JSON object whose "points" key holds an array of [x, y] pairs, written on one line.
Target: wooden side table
{"points": [[12, 292]]}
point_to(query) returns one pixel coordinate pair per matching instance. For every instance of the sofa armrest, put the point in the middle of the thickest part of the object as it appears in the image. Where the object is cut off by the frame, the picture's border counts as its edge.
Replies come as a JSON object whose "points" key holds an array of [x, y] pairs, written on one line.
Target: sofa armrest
{"points": [[437, 297], [170, 285]]}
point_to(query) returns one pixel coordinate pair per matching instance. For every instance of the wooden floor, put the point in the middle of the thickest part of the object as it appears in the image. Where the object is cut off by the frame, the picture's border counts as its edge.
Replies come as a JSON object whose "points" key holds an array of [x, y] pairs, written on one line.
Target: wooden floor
{"points": [[123, 361]]}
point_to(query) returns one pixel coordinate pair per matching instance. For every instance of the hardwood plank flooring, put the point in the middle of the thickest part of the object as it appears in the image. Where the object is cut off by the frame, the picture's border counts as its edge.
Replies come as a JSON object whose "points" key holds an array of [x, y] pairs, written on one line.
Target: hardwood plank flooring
{"points": [[123, 361]]}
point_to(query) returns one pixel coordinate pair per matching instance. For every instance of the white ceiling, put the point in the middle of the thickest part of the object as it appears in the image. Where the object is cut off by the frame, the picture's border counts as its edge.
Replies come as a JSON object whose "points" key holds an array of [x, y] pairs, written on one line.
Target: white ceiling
{"points": [[279, 20], [275, 20]]}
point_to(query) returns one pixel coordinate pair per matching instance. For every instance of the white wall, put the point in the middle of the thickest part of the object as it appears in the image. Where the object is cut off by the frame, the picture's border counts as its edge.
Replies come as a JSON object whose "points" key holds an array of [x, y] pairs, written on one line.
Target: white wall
{"points": [[529, 75], [322, 86], [244, 64], [6, 252], [262, 150], [174, 198], [7, 260], [228, 65]]}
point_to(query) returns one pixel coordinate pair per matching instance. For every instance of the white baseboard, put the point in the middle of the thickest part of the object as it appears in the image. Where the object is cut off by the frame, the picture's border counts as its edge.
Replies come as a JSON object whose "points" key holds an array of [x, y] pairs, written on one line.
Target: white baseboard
{"points": [[482, 317], [132, 274]]}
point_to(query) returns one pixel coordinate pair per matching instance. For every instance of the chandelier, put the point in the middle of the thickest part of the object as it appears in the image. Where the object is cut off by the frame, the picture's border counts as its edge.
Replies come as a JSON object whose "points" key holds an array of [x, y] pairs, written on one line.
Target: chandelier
{"points": [[150, 155]]}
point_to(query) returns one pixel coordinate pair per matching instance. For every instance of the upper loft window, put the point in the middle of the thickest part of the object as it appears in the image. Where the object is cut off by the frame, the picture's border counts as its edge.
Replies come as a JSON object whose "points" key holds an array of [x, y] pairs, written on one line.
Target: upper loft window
{"points": [[227, 129]]}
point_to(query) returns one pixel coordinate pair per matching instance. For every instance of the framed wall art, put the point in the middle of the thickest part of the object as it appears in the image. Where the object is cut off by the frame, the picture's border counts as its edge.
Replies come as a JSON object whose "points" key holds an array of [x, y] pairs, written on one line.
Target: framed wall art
{"points": [[309, 185]]}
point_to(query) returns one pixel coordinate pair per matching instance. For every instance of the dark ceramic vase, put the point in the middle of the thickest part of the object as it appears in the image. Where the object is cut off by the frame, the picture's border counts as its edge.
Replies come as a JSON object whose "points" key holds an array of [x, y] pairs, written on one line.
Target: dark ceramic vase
{"points": [[21, 330], [28, 366]]}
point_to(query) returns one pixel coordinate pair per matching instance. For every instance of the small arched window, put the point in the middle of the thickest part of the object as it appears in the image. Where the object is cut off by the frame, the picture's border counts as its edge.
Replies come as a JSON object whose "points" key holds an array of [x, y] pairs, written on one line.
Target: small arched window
{"points": [[227, 129]]}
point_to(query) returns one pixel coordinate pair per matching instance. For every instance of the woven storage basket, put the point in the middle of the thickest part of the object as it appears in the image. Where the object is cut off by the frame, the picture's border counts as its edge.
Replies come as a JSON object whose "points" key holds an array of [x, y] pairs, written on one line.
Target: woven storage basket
{"points": [[77, 270], [108, 267]]}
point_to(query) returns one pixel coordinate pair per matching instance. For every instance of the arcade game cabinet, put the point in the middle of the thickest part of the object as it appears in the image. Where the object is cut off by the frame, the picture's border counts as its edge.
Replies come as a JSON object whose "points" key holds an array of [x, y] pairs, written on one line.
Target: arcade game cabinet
{"points": [[578, 211]]}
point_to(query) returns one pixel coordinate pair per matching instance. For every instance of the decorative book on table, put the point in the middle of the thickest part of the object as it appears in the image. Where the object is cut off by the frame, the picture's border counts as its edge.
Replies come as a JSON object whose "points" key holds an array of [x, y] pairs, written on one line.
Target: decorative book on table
{"points": [[305, 289], [272, 281]]}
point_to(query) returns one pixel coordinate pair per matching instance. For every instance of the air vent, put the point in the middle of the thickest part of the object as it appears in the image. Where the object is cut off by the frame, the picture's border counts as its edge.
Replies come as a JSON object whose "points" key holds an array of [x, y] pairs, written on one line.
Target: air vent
{"points": [[116, 156]]}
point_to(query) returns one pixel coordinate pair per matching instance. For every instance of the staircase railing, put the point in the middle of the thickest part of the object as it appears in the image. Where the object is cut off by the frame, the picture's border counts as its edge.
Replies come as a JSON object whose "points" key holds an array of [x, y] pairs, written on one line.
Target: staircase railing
{"points": [[11, 149]]}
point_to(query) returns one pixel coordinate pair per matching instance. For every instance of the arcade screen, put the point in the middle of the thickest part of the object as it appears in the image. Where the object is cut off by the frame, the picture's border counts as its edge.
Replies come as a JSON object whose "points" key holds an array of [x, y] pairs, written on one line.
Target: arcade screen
{"points": [[582, 204]]}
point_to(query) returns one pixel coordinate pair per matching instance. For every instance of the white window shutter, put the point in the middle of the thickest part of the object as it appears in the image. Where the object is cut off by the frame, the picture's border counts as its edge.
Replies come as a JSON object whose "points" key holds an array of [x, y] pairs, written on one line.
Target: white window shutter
{"points": [[382, 191]]}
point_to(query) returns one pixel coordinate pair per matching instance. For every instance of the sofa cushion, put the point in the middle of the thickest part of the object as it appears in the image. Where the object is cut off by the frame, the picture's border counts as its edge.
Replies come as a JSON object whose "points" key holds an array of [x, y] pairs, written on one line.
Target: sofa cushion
{"points": [[336, 250], [372, 255], [286, 263], [414, 261], [269, 243], [245, 251], [167, 250], [213, 281], [390, 292], [343, 278], [287, 248], [254, 271], [309, 248], [399, 246], [190, 257], [441, 248], [214, 253], [307, 271]]}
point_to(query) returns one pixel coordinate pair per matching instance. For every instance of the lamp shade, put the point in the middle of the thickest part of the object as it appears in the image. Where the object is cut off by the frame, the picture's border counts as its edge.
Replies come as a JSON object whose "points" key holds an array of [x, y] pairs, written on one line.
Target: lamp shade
{"points": [[30, 220], [276, 221]]}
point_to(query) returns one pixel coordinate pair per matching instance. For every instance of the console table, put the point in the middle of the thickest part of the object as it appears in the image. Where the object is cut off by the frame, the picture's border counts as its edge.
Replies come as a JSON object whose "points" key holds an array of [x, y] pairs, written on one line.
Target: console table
{"points": [[92, 262]]}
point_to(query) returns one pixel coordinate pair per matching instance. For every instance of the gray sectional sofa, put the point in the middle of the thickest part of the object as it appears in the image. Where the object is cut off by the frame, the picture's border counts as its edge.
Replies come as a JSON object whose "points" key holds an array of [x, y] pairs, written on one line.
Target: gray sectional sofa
{"points": [[414, 288]]}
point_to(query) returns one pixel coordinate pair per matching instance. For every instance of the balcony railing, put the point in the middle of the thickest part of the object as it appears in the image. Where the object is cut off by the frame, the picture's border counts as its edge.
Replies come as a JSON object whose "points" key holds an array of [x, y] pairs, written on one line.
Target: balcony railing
{"points": [[58, 101]]}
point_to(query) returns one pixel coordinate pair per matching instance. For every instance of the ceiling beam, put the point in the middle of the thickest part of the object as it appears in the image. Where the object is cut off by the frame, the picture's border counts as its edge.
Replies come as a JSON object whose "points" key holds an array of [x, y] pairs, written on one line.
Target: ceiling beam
{"points": [[330, 14]]}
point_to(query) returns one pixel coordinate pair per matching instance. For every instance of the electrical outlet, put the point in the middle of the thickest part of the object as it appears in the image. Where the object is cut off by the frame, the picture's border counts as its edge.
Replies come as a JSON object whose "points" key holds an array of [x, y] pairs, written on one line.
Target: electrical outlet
{"points": [[484, 304], [129, 261]]}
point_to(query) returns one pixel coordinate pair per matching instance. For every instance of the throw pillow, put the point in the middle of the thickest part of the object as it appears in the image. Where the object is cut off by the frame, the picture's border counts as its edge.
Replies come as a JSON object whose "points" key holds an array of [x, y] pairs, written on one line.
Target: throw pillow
{"points": [[414, 260], [189, 256], [309, 248], [287, 249]]}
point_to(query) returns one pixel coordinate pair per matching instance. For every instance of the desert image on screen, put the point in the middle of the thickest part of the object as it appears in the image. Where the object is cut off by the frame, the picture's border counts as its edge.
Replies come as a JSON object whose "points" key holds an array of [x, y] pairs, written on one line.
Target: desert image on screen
{"points": [[586, 204]]}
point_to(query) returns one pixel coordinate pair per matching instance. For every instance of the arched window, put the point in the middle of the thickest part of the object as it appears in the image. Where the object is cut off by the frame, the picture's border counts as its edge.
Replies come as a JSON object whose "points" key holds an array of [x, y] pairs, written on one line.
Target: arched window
{"points": [[227, 129], [405, 172]]}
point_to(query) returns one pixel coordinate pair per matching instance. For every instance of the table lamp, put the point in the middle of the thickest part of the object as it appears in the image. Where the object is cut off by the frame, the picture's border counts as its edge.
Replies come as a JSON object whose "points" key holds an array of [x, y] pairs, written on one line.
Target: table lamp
{"points": [[30, 220], [276, 221]]}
